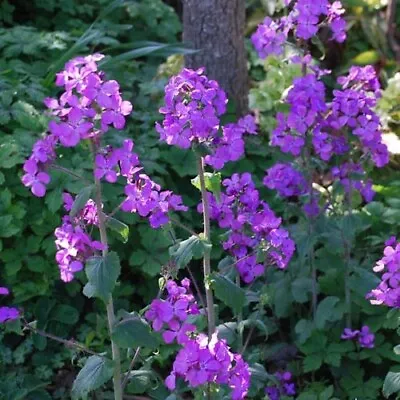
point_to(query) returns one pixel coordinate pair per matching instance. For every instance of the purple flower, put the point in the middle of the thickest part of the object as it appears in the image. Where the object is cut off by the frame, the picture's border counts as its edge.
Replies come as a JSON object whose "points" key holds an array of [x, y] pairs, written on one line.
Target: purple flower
{"points": [[171, 314], [366, 338], [116, 114], [160, 312], [4, 291], [348, 334], [388, 290], [193, 104], [286, 180], [201, 361], [285, 386], [34, 178], [105, 167], [251, 223], [74, 247], [8, 314], [269, 38]]}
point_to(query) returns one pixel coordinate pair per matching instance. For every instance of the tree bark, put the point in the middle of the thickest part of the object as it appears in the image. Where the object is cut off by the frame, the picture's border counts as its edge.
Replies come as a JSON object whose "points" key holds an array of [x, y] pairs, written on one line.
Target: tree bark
{"points": [[216, 29]]}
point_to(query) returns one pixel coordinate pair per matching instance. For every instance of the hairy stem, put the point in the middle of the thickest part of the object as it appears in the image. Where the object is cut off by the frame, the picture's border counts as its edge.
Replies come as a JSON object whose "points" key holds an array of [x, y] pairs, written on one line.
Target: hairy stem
{"points": [[311, 251], [183, 226], [239, 317], [206, 259], [347, 255], [69, 172], [314, 299], [66, 342], [131, 365], [110, 305]]}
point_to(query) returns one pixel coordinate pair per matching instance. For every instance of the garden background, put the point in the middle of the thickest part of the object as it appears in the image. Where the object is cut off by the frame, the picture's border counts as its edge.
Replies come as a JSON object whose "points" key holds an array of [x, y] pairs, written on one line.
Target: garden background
{"points": [[143, 39]]}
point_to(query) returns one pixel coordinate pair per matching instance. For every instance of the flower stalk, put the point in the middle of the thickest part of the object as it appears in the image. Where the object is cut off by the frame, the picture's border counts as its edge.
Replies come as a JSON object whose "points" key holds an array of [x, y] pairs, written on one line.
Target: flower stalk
{"points": [[206, 258], [117, 382]]}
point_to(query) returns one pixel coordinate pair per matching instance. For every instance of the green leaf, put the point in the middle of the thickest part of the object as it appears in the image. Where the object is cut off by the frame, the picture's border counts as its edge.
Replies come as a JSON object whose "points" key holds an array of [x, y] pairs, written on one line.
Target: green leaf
{"points": [[118, 227], [228, 292], [282, 297], [80, 200], [65, 314], [300, 289], [328, 310], [102, 273], [153, 48], [312, 362], [184, 251], [140, 381], [212, 181], [318, 43], [366, 57], [304, 245], [54, 200], [396, 349], [304, 330], [391, 384], [96, 372], [134, 332]]}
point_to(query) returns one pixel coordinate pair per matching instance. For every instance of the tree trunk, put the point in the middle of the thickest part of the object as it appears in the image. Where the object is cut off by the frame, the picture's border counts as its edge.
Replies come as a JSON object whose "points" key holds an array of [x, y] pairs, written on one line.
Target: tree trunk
{"points": [[216, 29]]}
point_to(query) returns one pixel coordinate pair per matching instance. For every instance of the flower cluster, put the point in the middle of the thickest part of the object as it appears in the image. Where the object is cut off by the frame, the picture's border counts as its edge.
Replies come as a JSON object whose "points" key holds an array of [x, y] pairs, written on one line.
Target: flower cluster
{"points": [[252, 224], [36, 177], [74, 244], [286, 180], [364, 336], [351, 109], [305, 19], [87, 108], [7, 313], [192, 111], [286, 386], [346, 127], [350, 176], [143, 196], [307, 103], [171, 314], [201, 361], [388, 290]]}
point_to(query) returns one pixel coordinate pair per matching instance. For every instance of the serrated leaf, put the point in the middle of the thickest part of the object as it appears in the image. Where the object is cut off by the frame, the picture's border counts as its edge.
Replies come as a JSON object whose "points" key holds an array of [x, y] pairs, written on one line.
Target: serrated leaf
{"points": [[300, 289], [65, 314], [212, 182], [54, 200], [134, 332], [312, 362], [80, 200], [328, 310], [391, 384], [228, 292], [96, 372], [184, 251], [304, 330], [119, 227], [102, 273]]}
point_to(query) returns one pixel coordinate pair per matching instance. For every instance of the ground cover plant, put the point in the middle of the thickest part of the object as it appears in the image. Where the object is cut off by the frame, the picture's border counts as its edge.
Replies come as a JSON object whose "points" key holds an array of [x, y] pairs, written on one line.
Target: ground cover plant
{"points": [[199, 254]]}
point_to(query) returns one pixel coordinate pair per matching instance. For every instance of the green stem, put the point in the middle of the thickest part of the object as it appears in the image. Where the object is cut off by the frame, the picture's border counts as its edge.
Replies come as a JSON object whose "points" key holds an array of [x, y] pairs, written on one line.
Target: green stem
{"points": [[311, 252], [239, 317], [206, 258], [347, 254], [110, 305], [69, 343]]}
